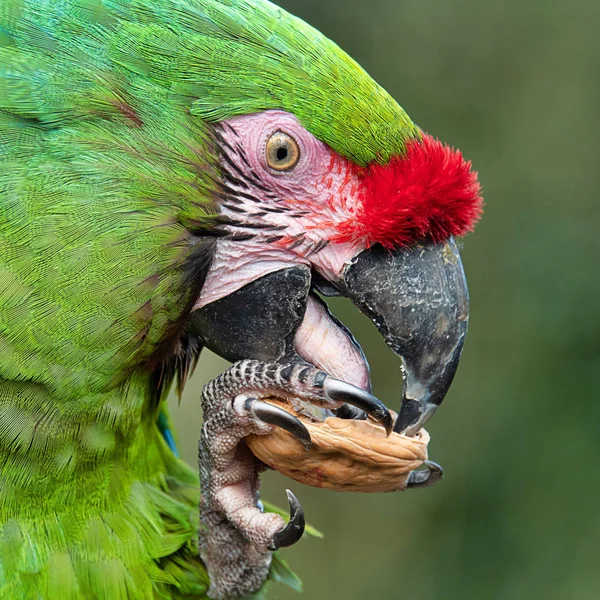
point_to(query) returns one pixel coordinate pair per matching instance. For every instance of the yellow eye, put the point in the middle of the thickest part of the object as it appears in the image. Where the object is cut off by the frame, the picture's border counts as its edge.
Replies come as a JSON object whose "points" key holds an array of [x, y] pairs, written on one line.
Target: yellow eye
{"points": [[283, 152]]}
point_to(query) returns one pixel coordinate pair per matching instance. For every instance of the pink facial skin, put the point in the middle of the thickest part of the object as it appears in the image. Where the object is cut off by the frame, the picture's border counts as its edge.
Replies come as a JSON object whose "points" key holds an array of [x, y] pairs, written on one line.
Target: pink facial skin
{"points": [[303, 206], [318, 194]]}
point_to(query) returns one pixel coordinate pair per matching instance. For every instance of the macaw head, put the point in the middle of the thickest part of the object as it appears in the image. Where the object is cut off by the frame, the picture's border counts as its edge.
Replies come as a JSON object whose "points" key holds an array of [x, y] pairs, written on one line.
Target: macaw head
{"points": [[326, 187]]}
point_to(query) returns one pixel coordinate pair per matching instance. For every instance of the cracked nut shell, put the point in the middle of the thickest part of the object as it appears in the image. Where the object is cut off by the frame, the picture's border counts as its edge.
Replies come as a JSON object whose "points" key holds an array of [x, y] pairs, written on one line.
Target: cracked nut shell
{"points": [[346, 455]]}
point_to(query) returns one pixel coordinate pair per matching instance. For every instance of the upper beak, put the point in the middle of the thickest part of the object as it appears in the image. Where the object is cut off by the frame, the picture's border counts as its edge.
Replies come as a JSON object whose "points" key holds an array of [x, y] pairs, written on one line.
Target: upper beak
{"points": [[418, 299]]}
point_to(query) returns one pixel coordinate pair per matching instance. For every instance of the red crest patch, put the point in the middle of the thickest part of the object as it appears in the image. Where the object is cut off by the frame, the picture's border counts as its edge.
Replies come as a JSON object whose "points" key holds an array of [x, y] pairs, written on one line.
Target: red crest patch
{"points": [[432, 192]]}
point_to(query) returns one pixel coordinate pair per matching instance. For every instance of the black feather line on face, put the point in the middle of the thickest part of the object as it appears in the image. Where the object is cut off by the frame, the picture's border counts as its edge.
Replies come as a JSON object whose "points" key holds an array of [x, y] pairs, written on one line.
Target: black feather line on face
{"points": [[242, 154], [240, 177], [231, 129], [225, 195], [229, 179], [318, 247], [273, 209], [225, 224], [212, 230], [257, 226], [260, 186], [232, 199], [240, 237], [236, 209], [247, 196], [223, 142], [299, 240]]}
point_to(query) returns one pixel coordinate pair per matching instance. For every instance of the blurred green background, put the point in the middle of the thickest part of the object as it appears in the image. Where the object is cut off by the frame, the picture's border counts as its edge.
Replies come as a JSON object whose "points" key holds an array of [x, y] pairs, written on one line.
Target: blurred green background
{"points": [[515, 85]]}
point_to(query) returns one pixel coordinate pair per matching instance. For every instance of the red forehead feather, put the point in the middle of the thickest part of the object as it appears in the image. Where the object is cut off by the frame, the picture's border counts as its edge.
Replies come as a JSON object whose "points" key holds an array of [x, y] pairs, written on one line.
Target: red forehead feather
{"points": [[432, 192]]}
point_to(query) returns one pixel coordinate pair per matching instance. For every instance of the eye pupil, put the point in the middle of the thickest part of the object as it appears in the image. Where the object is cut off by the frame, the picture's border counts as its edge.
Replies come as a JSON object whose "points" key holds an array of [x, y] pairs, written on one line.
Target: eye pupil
{"points": [[282, 153]]}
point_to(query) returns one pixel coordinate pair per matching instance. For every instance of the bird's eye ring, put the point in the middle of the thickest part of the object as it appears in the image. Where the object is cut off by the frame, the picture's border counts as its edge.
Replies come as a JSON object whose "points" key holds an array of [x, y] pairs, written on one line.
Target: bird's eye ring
{"points": [[282, 152]]}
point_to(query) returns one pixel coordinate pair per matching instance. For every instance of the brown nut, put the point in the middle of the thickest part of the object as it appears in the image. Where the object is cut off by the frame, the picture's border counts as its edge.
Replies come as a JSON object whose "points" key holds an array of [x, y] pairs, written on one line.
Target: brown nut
{"points": [[346, 455]]}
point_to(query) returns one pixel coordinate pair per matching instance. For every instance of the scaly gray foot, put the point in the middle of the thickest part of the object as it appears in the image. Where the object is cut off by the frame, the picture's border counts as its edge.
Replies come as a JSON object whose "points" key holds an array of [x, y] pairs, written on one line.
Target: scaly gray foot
{"points": [[236, 538]]}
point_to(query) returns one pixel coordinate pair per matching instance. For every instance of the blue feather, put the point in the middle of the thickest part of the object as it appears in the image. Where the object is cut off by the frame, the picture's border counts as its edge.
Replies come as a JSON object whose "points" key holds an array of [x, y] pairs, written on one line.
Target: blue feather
{"points": [[163, 426]]}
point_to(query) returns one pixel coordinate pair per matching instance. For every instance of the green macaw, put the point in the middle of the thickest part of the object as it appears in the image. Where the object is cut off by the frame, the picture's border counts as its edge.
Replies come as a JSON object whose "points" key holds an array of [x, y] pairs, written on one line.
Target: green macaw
{"points": [[180, 174]]}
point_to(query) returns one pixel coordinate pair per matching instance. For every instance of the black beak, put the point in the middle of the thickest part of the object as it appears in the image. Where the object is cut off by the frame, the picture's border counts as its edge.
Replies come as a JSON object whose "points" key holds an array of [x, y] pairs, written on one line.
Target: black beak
{"points": [[418, 299]]}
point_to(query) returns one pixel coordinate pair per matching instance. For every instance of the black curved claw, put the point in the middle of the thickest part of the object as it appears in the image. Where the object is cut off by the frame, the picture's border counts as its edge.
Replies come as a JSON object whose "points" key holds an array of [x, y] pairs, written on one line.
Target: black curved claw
{"points": [[345, 411], [274, 415], [294, 529], [425, 478], [345, 392]]}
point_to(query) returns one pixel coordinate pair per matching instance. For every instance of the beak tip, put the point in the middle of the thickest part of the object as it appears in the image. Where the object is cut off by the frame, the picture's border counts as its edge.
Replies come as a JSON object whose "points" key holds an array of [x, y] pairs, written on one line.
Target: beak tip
{"points": [[413, 415]]}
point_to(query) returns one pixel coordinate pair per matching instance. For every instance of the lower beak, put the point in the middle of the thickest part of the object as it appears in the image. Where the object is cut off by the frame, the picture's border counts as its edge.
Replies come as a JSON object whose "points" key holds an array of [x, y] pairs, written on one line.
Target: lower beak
{"points": [[418, 299]]}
